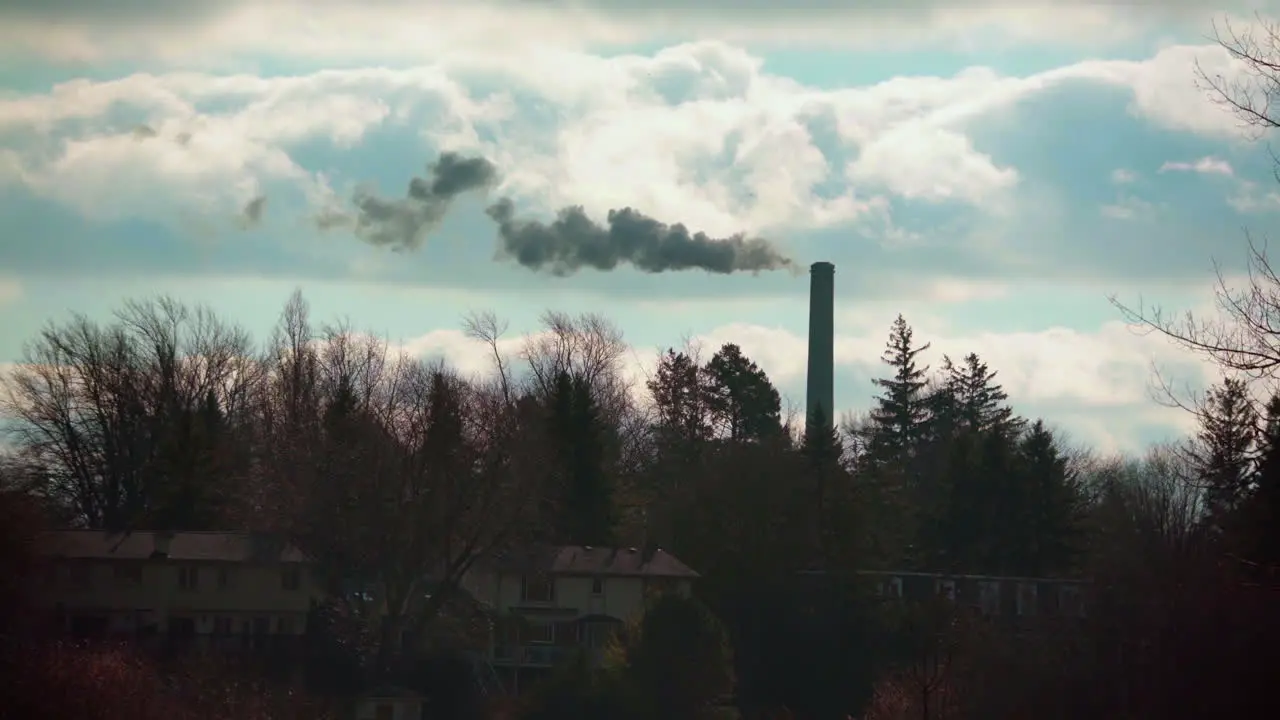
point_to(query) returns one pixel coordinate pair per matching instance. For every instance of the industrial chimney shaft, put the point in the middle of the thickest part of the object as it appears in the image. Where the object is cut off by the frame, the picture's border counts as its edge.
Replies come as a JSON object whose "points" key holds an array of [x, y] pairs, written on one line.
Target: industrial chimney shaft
{"points": [[821, 382]]}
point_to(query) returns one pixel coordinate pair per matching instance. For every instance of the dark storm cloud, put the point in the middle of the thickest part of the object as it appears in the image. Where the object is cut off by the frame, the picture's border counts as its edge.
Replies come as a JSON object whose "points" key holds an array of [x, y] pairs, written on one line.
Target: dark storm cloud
{"points": [[403, 223], [573, 241]]}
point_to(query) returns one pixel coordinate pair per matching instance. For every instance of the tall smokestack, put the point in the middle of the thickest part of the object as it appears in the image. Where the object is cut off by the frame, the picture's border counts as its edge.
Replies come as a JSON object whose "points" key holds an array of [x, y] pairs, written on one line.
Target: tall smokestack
{"points": [[822, 295]]}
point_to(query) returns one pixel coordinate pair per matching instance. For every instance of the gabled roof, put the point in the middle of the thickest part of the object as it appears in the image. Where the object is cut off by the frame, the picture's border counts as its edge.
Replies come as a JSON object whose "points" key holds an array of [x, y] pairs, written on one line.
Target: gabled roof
{"points": [[184, 546], [589, 560]]}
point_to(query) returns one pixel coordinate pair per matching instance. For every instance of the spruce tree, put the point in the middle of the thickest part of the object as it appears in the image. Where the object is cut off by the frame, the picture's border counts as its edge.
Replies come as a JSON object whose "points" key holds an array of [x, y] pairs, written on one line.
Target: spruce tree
{"points": [[1260, 516], [982, 404], [899, 417], [1224, 452], [1048, 520], [586, 515]]}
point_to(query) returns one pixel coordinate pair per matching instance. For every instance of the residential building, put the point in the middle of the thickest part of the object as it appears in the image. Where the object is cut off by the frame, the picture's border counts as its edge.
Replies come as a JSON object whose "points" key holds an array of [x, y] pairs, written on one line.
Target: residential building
{"points": [[186, 590], [990, 596], [554, 601]]}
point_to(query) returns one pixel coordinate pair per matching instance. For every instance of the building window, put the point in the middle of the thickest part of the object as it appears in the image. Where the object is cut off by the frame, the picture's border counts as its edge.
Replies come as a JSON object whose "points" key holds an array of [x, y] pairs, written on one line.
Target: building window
{"points": [[890, 588], [183, 627], [224, 578], [289, 578], [283, 626], [597, 586], [945, 589], [989, 597], [188, 578], [384, 711], [1026, 600], [542, 633], [128, 573], [222, 626], [537, 588]]}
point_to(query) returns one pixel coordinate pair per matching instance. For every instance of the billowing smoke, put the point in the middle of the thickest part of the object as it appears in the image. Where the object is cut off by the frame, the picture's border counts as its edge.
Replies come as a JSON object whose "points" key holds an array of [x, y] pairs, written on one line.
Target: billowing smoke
{"points": [[253, 211], [403, 223], [573, 241]]}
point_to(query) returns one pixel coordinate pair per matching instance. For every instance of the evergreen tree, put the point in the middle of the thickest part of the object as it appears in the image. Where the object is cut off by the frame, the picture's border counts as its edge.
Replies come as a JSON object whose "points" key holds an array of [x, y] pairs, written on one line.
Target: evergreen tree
{"points": [[1224, 451], [827, 480], [1260, 515], [585, 488], [1048, 521], [743, 403], [981, 403], [997, 505], [901, 411], [677, 659]]}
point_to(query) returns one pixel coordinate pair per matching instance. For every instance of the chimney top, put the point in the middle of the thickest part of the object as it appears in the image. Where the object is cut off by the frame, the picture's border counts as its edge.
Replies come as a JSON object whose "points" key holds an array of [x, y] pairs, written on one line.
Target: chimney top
{"points": [[822, 267]]}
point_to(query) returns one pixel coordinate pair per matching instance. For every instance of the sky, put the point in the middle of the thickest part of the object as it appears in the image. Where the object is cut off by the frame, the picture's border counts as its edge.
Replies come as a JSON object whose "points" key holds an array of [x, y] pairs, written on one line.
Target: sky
{"points": [[994, 171]]}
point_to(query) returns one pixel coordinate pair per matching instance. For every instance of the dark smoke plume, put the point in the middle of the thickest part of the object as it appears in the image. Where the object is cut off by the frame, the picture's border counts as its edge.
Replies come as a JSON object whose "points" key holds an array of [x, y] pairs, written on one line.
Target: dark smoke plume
{"points": [[573, 241], [403, 223], [253, 211]]}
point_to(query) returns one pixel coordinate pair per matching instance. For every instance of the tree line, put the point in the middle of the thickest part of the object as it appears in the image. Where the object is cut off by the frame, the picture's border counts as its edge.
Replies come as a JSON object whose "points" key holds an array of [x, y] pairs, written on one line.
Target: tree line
{"points": [[396, 473]]}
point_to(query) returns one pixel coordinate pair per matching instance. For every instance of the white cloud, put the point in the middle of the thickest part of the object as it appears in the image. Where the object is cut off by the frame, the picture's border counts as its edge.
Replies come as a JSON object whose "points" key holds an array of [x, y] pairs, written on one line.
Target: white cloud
{"points": [[699, 133], [1121, 176], [211, 31], [1248, 198], [1204, 166], [1128, 207], [916, 161], [1098, 385]]}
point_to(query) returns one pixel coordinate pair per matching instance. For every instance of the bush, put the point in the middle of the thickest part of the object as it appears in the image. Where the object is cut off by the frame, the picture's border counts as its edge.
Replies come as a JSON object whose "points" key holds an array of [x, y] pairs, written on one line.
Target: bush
{"points": [[676, 662], [63, 680]]}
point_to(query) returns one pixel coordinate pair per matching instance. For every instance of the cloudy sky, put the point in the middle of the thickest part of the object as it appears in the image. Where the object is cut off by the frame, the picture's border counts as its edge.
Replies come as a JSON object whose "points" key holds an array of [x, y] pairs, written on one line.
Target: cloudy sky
{"points": [[993, 170]]}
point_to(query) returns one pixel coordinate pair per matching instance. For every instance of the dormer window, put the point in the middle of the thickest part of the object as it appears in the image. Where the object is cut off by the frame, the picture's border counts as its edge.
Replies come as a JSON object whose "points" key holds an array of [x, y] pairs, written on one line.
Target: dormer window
{"points": [[537, 588]]}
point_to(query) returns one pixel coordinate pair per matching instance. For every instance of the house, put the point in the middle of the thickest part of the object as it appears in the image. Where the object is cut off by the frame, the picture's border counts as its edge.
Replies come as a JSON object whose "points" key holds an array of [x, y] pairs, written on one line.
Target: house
{"points": [[990, 596], [554, 601], [186, 590]]}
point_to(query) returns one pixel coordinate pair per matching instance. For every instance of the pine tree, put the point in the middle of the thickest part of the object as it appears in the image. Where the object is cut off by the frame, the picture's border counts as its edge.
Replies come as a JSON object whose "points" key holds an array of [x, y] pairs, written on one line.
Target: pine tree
{"points": [[743, 402], [1260, 516], [1223, 454], [899, 418], [1048, 520], [998, 505], [981, 401], [586, 514]]}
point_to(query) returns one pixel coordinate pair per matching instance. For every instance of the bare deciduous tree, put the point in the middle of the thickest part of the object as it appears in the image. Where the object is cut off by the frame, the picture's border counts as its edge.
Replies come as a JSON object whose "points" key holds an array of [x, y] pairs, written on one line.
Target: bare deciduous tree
{"points": [[1243, 336], [112, 413]]}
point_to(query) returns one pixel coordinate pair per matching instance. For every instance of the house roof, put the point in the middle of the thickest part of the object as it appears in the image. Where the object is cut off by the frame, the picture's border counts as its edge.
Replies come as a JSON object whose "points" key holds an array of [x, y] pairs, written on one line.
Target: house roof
{"points": [[189, 546], [589, 560]]}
